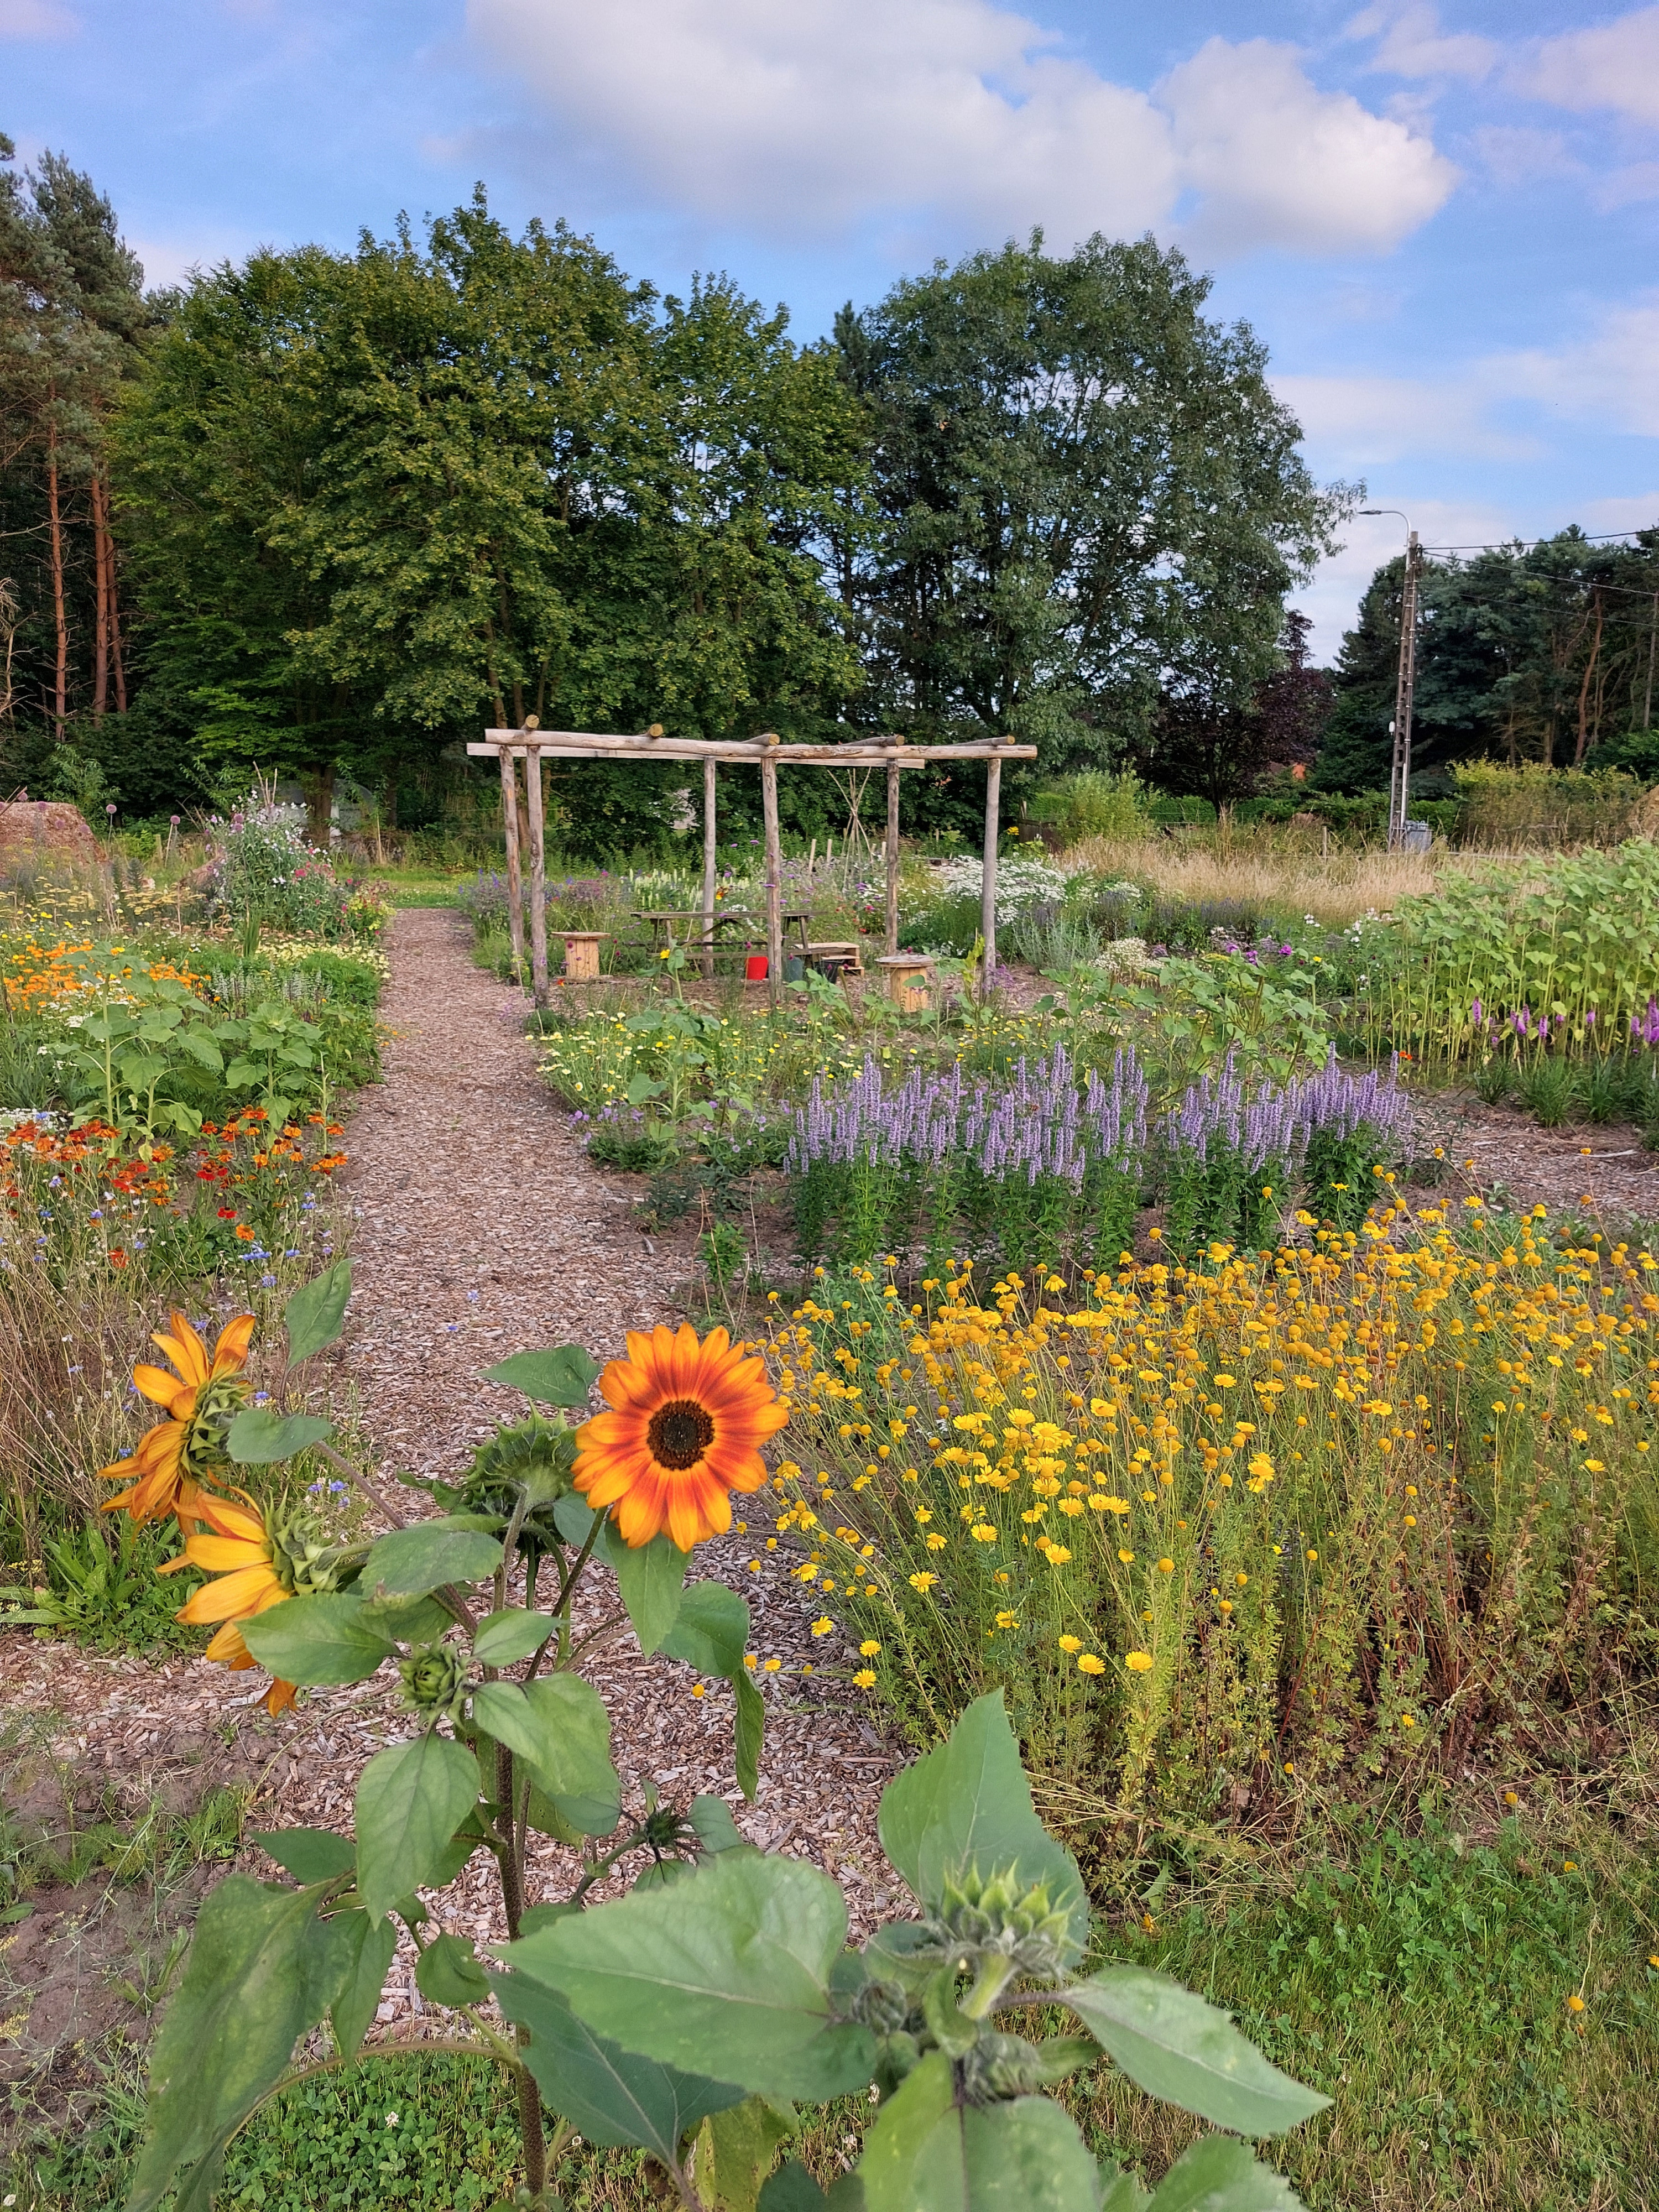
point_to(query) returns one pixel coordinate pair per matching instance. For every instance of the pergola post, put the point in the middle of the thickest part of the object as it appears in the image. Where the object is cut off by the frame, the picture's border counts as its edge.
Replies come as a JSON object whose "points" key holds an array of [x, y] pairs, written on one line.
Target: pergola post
{"points": [[773, 870], [533, 782], [987, 904], [515, 874], [893, 774], [708, 846]]}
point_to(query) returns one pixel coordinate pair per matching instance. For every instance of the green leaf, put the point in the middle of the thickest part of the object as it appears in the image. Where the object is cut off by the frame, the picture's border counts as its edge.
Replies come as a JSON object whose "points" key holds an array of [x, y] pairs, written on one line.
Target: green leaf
{"points": [[259, 1435], [505, 1638], [560, 1728], [1177, 2046], [574, 1518], [411, 1798], [613, 2097], [563, 1377], [426, 1556], [648, 1580], [261, 1969], [927, 2154], [447, 1972], [735, 1961], [1123, 2191], [751, 1733], [738, 2149], [714, 1827], [308, 1854], [315, 1314], [406, 1619], [1218, 2174], [792, 2189], [711, 1631], [968, 1799], [319, 1642], [372, 1943]]}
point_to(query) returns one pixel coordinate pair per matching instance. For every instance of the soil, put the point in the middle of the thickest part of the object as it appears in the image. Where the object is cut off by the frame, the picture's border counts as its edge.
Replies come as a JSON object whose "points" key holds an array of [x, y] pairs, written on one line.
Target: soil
{"points": [[479, 1227]]}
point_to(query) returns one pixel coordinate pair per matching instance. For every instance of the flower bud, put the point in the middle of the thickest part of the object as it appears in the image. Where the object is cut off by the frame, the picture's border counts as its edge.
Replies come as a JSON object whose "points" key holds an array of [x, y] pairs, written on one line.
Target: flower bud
{"points": [[435, 1680]]}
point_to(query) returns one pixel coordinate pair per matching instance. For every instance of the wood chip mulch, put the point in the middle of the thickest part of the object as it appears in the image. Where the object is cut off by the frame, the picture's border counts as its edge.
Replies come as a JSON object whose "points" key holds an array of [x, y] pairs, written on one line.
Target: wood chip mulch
{"points": [[479, 1227]]}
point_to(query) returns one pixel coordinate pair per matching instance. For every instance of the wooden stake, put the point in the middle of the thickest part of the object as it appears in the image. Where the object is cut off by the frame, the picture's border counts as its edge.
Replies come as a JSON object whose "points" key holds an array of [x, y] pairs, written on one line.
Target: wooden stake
{"points": [[708, 842], [773, 873], [987, 905], [515, 877], [532, 778], [893, 771]]}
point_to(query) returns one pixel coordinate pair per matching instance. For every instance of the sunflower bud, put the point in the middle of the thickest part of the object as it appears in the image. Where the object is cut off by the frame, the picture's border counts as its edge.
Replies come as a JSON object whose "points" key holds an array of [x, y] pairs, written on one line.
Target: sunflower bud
{"points": [[306, 1561], [203, 1457], [998, 1913], [435, 1680], [1001, 2066], [529, 1462], [882, 2006]]}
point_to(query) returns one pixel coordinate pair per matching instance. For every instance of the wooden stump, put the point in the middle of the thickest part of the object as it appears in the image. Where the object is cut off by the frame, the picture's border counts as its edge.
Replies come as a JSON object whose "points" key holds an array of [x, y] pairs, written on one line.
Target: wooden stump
{"points": [[909, 980], [581, 954]]}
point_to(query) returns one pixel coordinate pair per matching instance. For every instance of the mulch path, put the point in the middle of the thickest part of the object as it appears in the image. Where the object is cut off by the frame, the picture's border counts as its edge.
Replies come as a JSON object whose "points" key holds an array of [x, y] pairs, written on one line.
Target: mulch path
{"points": [[479, 1227]]}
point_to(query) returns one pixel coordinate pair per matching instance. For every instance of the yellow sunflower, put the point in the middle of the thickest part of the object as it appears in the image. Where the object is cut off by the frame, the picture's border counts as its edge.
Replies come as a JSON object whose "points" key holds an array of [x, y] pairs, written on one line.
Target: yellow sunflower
{"points": [[687, 1423], [236, 1545], [174, 1452]]}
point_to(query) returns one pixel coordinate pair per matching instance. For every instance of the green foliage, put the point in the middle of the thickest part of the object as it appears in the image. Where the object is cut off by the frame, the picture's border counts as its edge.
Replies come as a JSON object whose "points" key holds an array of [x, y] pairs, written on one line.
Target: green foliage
{"points": [[101, 1587], [1092, 803], [315, 1314]]}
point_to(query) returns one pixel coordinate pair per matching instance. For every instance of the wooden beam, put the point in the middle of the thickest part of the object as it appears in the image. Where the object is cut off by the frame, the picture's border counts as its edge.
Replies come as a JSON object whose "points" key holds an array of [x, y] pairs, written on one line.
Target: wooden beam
{"points": [[532, 778], [987, 903], [514, 876], [577, 744], [892, 857], [774, 875], [708, 867]]}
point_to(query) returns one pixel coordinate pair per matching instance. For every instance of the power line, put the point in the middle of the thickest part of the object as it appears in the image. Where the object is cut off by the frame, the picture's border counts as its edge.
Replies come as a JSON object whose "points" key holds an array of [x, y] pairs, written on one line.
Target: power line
{"points": [[1526, 544]]}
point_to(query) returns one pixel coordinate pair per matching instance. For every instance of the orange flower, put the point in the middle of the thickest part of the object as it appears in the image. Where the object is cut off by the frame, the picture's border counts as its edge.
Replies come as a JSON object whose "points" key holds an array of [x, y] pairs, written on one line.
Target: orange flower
{"points": [[235, 1545], [198, 1406], [687, 1423]]}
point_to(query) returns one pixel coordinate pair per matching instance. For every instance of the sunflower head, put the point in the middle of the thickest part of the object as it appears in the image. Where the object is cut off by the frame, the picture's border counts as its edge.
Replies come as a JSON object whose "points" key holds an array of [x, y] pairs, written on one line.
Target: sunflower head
{"points": [[201, 1401], [685, 1428], [533, 1459]]}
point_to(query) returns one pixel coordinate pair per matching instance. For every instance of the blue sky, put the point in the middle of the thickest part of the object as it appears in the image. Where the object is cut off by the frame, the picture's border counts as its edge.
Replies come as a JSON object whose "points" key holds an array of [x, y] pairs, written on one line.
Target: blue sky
{"points": [[1443, 222]]}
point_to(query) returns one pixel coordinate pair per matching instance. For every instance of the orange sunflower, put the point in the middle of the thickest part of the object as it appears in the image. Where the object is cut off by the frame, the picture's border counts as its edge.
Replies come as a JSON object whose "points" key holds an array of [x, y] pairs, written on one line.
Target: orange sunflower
{"points": [[170, 1456], [687, 1424], [236, 1545]]}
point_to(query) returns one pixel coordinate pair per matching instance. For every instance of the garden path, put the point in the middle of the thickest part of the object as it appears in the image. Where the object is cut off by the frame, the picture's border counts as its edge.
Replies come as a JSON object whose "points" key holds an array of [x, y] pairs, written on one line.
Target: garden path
{"points": [[480, 1227]]}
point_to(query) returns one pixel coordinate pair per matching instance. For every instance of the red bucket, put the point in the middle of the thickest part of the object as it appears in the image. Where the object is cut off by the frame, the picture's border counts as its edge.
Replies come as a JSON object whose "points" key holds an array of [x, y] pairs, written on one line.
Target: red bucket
{"points": [[754, 967]]}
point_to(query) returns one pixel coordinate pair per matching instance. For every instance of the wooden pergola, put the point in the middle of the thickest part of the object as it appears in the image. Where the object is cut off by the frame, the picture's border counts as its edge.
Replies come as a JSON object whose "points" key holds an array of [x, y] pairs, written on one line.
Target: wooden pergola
{"points": [[531, 745]]}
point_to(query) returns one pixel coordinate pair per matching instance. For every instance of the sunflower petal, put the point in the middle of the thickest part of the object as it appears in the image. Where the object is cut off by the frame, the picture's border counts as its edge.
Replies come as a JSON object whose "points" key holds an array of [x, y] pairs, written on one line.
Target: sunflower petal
{"points": [[186, 1350], [233, 1597], [230, 1353], [155, 1383]]}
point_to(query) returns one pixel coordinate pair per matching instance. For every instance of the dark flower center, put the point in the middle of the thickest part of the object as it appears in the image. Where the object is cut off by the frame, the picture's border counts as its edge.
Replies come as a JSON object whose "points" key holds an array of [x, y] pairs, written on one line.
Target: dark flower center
{"points": [[680, 1433]]}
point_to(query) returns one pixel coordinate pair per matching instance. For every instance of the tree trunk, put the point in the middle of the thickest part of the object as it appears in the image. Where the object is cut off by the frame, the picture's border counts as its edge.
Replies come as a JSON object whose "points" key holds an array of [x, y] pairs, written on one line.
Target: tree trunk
{"points": [[319, 805], [101, 629], [114, 609], [1580, 749], [55, 520]]}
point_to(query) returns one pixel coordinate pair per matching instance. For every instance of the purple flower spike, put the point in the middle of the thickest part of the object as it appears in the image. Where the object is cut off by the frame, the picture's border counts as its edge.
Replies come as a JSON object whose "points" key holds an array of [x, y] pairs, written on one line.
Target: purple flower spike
{"points": [[1475, 1015]]}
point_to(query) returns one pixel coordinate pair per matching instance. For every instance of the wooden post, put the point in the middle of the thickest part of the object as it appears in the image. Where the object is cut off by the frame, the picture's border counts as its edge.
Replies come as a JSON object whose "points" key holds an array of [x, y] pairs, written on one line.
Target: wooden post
{"points": [[894, 772], [987, 905], [708, 867], [515, 876], [533, 782], [774, 871]]}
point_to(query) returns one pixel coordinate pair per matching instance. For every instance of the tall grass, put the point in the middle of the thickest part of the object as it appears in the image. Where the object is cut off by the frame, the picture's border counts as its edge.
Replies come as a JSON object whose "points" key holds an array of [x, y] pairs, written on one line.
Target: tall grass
{"points": [[1257, 866]]}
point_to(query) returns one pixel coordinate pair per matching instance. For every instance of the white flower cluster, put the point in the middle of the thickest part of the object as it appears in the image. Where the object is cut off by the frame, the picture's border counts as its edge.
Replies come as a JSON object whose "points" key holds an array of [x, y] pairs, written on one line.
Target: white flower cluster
{"points": [[1020, 884]]}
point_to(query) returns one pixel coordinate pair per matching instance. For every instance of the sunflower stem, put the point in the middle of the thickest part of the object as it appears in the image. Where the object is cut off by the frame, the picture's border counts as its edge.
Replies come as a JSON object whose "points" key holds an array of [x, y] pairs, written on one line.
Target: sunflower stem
{"points": [[511, 1869]]}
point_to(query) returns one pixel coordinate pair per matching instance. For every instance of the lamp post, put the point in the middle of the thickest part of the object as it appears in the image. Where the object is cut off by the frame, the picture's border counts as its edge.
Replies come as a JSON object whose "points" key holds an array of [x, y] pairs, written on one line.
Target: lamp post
{"points": [[1399, 766]]}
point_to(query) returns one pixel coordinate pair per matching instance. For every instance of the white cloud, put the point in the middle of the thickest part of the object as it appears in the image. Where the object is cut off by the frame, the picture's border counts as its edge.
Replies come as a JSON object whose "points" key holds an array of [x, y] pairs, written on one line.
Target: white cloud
{"points": [[1357, 424], [818, 118], [1413, 44], [36, 19], [1638, 180], [1514, 155], [1331, 599], [1280, 163], [1612, 66], [1609, 377]]}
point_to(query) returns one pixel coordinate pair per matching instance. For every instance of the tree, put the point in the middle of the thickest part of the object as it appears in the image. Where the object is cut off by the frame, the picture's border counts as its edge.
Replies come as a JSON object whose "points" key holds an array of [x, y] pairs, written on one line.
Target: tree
{"points": [[1204, 744], [1087, 497]]}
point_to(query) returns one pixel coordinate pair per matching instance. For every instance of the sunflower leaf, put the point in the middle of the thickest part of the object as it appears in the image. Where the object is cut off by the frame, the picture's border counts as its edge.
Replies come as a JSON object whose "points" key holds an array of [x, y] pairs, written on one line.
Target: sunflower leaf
{"points": [[411, 1798], [259, 1435], [315, 1314], [751, 1731], [711, 1629], [649, 1578], [508, 1637], [561, 1376], [424, 1557], [1175, 2044], [308, 1854], [372, 1943], [561, 1730], [319, 1643]]}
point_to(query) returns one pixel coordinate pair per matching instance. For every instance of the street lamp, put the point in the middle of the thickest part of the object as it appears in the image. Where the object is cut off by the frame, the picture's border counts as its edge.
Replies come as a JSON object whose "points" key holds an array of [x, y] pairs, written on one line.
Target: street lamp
{"points": [[1399, 766]]}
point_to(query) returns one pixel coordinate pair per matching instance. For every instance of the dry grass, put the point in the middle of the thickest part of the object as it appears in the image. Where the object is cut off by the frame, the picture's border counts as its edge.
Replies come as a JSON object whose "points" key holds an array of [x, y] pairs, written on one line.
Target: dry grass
{"points": [[1265, 867]]}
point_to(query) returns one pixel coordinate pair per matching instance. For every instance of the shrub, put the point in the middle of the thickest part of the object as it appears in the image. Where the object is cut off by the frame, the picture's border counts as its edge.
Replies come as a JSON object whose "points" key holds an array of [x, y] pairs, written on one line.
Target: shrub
{"points": [[1093, 803], [1532, 805], [1345, 1504]]}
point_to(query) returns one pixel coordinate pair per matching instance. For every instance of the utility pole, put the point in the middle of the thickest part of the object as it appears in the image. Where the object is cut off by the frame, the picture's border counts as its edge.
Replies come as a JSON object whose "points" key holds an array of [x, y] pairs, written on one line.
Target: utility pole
{"points": [[1653, 640], [1400, 767]]}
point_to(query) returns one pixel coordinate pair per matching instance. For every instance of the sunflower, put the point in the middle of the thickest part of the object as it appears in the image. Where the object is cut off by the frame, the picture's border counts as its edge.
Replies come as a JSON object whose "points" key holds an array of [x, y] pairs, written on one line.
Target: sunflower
{"points": [[237, 1545], [687, 1423], [177, 1451]]}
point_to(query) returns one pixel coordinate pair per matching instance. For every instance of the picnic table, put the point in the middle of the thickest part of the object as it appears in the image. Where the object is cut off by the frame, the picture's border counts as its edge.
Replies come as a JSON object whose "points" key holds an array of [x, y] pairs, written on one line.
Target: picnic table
{"points": [[664, 919]]}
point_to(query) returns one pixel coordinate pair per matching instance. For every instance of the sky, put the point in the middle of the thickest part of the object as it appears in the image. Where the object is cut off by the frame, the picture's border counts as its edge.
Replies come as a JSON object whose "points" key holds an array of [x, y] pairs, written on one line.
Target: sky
{"points": [[1442, 223]]}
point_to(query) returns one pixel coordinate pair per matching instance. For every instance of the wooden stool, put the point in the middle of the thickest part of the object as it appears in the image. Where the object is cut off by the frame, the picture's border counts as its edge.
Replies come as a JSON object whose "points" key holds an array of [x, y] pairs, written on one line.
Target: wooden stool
{"points": [[909, 980], [581, 954]]}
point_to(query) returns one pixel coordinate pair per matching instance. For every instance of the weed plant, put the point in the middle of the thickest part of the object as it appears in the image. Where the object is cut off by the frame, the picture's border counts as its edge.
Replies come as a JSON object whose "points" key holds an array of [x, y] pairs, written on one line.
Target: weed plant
{"points": [[1354, 1506]]}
